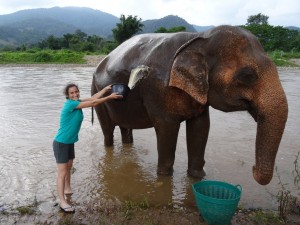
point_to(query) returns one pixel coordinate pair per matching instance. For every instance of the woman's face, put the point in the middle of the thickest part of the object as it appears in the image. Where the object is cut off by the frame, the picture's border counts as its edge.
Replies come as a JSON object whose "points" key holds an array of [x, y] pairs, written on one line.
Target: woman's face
{"points": [[73, 93]]}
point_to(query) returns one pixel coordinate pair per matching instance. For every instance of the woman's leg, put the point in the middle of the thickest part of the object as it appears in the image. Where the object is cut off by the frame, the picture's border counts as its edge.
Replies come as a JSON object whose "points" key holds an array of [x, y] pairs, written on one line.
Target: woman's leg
{"points": [[67, 187], [61, 176]]}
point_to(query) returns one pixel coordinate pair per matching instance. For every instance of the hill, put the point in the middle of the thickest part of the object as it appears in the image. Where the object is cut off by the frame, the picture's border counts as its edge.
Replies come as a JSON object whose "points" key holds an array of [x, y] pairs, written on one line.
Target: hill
{"points": [[33, 25], [166, 22], [202, 28], [88, 20], [293, 28]]}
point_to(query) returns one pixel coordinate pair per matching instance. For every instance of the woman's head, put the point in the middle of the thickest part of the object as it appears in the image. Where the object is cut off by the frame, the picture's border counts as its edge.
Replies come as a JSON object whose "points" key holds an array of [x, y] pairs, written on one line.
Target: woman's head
{"points": [[71, 91]]}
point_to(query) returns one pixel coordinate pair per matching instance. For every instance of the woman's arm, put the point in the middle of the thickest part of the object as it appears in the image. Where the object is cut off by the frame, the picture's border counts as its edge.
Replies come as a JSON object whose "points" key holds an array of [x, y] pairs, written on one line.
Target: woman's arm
{"points": [[98, 101], [98, 94]]}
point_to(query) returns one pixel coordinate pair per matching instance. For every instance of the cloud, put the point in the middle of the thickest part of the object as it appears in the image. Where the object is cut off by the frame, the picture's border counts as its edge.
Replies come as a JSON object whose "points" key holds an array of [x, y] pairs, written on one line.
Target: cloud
{"points": [[198, 12]]}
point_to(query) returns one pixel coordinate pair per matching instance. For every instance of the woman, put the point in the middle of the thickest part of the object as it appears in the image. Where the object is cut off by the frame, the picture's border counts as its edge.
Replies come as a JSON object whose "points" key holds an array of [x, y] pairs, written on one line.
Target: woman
{"points": [[63, 145]]}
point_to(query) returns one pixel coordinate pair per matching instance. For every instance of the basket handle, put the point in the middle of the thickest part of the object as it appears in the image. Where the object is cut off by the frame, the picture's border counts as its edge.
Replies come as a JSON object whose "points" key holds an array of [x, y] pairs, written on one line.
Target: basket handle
{"points": [[239, 187]]}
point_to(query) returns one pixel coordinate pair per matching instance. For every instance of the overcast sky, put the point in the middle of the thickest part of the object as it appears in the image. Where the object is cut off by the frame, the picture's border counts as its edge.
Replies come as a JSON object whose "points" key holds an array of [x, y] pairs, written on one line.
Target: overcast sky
{"points": [[197, 12]]}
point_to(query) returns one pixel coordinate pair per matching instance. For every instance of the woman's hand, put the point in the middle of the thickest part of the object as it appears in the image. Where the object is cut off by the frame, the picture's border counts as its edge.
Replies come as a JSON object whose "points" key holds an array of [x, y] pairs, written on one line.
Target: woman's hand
{"points": [[106, 89], [100, 94], [115, 96]]}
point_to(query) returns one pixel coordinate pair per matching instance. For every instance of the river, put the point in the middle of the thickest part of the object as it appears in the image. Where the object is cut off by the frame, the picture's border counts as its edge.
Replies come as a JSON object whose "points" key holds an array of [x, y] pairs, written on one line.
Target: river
{"points": [[31, 99]]}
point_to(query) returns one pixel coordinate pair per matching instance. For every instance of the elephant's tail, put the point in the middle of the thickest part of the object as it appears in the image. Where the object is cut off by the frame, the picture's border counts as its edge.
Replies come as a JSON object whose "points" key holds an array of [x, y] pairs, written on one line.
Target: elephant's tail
{"points": [[93, 91], [92, 115]]}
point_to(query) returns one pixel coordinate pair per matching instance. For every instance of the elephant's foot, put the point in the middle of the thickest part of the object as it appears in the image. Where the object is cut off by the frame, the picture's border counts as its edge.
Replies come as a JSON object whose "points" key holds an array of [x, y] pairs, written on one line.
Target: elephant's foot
{"points": [[196, 173], [164, 171], [127, 140], [108, 142], [127, 137]]}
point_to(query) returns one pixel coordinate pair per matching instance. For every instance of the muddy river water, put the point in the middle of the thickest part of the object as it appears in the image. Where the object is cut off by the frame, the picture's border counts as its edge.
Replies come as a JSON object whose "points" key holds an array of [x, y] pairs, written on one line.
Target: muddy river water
{"points": [[31, 99]]}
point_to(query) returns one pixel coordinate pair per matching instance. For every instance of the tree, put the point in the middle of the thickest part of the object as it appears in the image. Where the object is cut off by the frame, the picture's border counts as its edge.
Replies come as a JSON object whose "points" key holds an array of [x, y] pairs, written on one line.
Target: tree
{"points": [[257, 19], [66, 40], [127, 28], [80, 35], [177, 29], [171, 30], [53, 43], [161, 30], [275, 38]]}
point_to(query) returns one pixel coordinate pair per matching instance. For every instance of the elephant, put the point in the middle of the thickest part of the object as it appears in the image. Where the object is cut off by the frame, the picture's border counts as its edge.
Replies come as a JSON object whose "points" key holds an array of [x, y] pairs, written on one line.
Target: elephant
{"points": [[225, 68]]}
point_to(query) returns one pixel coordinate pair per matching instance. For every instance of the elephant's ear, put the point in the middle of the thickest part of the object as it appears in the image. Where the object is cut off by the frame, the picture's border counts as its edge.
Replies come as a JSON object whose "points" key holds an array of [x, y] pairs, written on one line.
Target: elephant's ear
{"points": [[190, 73]]}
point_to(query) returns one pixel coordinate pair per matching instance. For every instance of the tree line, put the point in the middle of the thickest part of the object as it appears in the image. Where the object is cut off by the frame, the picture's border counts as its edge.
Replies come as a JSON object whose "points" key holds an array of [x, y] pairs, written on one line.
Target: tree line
{"points": [[271, 37]]}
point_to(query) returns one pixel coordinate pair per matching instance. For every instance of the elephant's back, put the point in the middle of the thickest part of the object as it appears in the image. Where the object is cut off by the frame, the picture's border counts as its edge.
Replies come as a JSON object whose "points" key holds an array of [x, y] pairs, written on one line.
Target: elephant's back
{"points": [[156, 51]]}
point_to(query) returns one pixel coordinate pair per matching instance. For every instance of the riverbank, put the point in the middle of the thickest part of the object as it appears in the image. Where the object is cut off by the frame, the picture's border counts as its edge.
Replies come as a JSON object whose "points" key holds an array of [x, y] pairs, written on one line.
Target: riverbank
{"points": [[94, 60], [90, 61], [130, 213]]}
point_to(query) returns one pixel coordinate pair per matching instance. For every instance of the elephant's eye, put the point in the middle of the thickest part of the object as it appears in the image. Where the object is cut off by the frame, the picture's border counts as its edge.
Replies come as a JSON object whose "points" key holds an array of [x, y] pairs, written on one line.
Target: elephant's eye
{"points": [[246, 76]]}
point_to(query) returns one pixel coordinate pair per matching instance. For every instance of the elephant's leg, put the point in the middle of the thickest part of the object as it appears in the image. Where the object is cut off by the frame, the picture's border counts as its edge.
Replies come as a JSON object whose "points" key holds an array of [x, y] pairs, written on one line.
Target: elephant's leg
{"points": [[107, 125], [166, 134], [197, 130], [127, 137]]}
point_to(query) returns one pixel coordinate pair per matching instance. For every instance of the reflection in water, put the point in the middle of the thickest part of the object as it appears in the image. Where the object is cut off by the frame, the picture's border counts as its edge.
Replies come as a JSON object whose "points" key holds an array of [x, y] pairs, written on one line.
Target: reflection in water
{"points": [[124, 178], [31, 99]]}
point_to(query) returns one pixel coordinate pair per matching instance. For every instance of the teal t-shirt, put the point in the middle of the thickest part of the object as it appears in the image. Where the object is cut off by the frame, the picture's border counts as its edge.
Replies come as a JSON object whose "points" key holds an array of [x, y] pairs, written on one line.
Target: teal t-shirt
{"points": [[70, 122]]}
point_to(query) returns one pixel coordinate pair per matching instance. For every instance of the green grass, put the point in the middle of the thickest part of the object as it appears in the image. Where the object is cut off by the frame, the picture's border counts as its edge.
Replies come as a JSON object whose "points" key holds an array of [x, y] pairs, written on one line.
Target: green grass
{"points": [[281, 58], [130, 207], [35, 56], [26, 210], [42, 57], [265, 218]]}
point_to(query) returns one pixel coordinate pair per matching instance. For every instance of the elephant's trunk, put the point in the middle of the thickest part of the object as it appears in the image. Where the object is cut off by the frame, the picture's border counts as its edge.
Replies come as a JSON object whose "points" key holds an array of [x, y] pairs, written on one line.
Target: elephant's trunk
{"points": [[272, 111]]}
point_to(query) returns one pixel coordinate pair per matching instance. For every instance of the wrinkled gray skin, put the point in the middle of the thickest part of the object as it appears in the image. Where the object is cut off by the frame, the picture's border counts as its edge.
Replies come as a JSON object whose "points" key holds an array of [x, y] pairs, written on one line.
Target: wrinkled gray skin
{"points": [[225, 68]]}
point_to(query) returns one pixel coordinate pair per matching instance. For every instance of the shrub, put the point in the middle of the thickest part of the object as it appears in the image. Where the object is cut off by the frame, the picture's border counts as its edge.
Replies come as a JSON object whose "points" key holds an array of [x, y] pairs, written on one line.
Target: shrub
{"points": [[42, 57]]}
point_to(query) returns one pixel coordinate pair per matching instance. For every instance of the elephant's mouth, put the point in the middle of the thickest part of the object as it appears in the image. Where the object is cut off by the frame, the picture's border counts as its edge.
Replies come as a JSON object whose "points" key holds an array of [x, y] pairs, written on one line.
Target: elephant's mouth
{"points": [[242, 104], [249, 106], [253, 112]]}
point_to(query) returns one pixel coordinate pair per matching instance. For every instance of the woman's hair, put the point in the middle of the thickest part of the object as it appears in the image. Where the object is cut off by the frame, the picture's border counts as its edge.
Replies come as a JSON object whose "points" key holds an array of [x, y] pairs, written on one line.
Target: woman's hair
{"points": [[66, 89]]}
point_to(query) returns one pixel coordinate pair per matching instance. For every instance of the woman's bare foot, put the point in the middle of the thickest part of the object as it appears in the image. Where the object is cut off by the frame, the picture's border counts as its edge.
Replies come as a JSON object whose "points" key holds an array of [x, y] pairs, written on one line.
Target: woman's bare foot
{"points": [[67, 208]]}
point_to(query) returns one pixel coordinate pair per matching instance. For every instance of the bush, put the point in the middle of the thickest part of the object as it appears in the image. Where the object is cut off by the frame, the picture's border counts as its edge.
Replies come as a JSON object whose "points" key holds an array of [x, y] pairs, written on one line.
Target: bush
{"points": [[281, 58], [48, 56], [42, 57]]}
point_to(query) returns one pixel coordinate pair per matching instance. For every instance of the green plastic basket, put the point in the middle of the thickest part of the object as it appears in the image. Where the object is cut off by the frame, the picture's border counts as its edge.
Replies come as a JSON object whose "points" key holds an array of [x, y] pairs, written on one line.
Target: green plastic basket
{"points": [[216, 200]]}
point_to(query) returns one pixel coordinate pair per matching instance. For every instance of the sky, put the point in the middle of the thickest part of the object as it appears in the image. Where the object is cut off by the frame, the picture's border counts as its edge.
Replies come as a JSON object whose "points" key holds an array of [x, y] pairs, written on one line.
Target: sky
{"points": [[196, 12]]}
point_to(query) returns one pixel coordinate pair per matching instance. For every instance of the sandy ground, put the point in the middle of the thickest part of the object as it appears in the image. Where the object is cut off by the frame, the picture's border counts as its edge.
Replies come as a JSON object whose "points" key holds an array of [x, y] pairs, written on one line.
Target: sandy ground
{"points": [[109, 213], [93, 60], [296, 61]]}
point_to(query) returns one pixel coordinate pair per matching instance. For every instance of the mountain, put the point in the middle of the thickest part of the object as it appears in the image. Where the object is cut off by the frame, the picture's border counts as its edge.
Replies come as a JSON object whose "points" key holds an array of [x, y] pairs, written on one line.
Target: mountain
{"points": [[166, 22], [33, 25], [202, 28], [293, 28], [87, 20], [32, 30]]}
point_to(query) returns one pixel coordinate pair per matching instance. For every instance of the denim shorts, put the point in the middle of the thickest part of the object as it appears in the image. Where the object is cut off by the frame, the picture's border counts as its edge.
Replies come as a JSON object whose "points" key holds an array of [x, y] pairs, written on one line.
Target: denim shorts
{"points": [[63, 152]]}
